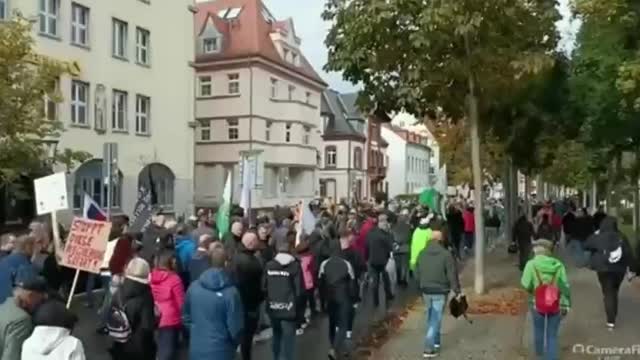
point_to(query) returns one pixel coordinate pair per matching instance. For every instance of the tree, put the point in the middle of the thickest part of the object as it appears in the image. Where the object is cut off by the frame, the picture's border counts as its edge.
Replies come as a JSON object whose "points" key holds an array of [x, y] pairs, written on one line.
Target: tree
{"points": [[459, 56], [25, 80]]}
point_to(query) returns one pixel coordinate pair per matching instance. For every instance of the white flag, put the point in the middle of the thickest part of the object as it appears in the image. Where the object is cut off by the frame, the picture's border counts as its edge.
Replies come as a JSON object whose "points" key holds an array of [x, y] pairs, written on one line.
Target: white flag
{"points": [[245, 192]]}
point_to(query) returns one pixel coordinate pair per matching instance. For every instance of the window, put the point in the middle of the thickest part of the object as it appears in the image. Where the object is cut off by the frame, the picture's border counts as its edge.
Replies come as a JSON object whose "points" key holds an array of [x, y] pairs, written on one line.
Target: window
{"points": [[357, 158], [143, 114], [287, 133], [49, 17], [162, 179], [79, 100], [330, 156], [274, 88], [79, 25], [232, 128], [307, 97], [143, 39], [234, 83], [306, 136], [292, 91], [119, 34], [210, 45], [88, 179], [3, 9], [119, 116], [267, 131], [100, 108], [205, 85], [205, 130]]}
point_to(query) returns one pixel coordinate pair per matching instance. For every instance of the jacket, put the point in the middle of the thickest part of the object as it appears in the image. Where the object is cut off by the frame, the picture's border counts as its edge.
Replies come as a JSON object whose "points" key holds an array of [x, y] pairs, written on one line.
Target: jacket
{"points": [[419, 241], [231, 243], [154, 239], [308, 270], [523, 232], [436, 271], [469, 221], [401, 231], [607, 240], [319, 243], [15, 328], [547, 266], [52, 343], [379, 247], [360, 244], [213, 313], [9, 267], [357, 262], [338, 280], [122, 253], [198, 265], [136, 300], [168, 295], [247, 271], [185, 248], [283, 283]]}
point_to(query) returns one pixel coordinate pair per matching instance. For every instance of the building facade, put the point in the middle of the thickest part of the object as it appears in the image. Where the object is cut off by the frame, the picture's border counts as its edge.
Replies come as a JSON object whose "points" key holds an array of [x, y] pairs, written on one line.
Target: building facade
{"points": [[409, 122], [343, 172], [133, 86], [255, 93], [409, 161]]}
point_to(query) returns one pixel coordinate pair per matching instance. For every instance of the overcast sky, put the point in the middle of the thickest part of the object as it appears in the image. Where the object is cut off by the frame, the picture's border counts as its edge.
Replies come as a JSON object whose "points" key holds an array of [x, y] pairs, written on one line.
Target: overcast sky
{"points": [[312, 29]]}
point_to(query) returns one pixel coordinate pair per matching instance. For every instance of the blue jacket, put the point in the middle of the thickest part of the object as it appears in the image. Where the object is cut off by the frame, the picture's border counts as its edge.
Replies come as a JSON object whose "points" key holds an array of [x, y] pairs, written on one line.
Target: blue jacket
{"points": [[185, 248], [214, 316], [10, 266]]}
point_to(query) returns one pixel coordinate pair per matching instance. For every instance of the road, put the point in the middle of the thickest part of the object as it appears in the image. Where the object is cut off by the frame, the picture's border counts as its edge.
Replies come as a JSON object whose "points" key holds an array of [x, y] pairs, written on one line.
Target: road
{"points": [[310, 346]]}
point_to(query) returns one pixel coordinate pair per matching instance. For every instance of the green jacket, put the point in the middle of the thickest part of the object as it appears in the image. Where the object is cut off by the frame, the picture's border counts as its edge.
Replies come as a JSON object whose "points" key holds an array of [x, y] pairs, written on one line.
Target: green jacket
{"points": [[15, 328], [547, 266], [419, 241]]}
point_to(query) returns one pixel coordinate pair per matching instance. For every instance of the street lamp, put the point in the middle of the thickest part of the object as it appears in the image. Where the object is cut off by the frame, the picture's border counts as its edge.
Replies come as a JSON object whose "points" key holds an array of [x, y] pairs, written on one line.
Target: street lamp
{"points": [[51, 146]]}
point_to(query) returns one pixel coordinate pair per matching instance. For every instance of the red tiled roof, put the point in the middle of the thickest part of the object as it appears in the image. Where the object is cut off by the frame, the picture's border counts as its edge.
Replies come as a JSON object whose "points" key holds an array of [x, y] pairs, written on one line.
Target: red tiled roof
{"points": [[248, 35]]}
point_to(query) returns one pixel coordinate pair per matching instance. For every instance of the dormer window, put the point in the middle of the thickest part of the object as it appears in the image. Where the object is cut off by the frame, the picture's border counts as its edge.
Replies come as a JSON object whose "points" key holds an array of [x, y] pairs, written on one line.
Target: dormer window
{"points": [[210, 45]]}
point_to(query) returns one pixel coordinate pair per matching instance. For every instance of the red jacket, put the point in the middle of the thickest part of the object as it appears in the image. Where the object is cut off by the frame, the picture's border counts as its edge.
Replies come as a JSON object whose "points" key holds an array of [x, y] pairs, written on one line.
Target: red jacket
{"points": [[168, 295], [360, 244], [469, 222], [122, 253]]}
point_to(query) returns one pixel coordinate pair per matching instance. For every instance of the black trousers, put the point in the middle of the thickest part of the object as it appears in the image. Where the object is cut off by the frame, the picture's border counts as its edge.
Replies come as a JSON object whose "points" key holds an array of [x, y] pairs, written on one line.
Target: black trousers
{"points": [[402, 267], [339, 316], [251, 320], [375, 272], [610, 283]]}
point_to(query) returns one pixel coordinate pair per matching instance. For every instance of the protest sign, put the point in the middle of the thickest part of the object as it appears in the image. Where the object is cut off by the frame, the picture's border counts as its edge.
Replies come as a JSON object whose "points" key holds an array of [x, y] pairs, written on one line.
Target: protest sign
{"points": [[142, 211], [51, 193], [86, 245]]}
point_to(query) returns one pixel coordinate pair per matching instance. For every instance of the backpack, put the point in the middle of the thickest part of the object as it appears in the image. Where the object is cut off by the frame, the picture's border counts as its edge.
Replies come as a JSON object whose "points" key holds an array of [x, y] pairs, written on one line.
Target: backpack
{"points": [[547, 296], [118, 324], [615, 255]]}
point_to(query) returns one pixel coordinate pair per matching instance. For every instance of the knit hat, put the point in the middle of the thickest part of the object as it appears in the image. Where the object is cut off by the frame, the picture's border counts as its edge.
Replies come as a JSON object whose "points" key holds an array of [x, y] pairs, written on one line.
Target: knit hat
{"points": [[54, 313], [138, 270]]}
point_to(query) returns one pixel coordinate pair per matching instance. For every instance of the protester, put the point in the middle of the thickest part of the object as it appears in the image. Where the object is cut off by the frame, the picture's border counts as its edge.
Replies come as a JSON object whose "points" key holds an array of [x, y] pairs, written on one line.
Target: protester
{"points": [[213, 312], [7, 244], [15, 313], [611, 256], [546, 270], [233, 238], [359, 267], [419, 240], [202, 228], [168, 296], [319, 241], [186, 246], [545, 229], [369, 224], [265, 246], [309, 271], [51, 338], [338, 280], [523, 235], [283, 284], [200, 262], [135, 300], [379, 249], [247, 271], [18, 261], [401, 231], [437, 276], [154, 239], [584, 228], [456, 228], [469, 228], [598, 216]]}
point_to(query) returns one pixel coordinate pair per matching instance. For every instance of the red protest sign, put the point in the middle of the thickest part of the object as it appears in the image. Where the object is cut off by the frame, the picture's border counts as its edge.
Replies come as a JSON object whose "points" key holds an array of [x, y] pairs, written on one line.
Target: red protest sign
{"points": [[86, 245]]}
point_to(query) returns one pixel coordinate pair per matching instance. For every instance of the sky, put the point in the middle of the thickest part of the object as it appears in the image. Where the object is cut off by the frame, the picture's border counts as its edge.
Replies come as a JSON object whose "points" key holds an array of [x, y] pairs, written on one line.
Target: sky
{"points": [[312, 29]]}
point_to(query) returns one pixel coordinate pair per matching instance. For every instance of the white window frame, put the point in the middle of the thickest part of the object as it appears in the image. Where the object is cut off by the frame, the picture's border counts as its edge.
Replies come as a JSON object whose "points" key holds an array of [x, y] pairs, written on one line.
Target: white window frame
{"points": [[205, 81], [120, 103], [292, 92], [119, 38], [49, 17], [78, 103], [267, 131], [205, 128], [80, 12], [143, 116], [287, 133], [332, 157], [233, 129], [233, 82], [143, 46], [306, 135], [210, 45], [274, 88]]}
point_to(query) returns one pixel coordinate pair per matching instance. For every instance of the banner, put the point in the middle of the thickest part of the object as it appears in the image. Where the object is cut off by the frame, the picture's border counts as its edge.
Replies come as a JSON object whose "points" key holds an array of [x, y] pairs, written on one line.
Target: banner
{"points": [[142, 212], [86, 245], [51, 193], [222, 217]]}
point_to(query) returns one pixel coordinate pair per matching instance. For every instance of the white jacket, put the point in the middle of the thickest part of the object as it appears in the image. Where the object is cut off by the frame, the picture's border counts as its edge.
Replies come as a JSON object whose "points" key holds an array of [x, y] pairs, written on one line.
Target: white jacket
{"points": [[52, 343]]}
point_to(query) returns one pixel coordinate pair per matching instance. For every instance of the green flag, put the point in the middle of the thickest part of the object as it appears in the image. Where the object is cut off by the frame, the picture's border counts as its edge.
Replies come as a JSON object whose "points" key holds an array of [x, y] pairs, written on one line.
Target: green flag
{"points": [[222, 217], [430, 198]]}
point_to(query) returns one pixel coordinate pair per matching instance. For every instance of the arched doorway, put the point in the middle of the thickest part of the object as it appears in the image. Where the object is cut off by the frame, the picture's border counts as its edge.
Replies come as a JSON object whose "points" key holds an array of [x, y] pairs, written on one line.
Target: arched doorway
{"points": [[88, 179], [161, 180]]}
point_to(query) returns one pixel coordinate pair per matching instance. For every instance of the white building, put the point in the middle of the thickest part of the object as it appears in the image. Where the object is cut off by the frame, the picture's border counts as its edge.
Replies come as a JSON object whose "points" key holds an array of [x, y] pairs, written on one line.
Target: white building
{"points": [[409, 161], [255, 92], [411, 123], [134, 87]]}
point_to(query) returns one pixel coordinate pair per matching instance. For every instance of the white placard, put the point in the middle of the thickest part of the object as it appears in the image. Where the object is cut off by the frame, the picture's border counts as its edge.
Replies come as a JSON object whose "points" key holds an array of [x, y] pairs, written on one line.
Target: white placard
{"points": [[51, 193]]}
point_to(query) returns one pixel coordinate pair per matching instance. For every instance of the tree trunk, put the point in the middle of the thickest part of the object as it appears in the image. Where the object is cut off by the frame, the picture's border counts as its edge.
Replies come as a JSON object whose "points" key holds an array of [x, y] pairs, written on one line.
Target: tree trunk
{"points": [[477, 188], [594, 196], [508, 194], [527, 193]]}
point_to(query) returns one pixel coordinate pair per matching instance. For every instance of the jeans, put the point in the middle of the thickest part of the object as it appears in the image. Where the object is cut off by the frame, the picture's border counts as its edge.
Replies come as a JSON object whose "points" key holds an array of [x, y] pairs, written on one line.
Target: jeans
{"points": [[402, 267], [251, 320], [339, 316], [577, 252], [492, 235], [469, 239], [167, 340], [545, 332], [375, 271], [284, 339], [106, 300], [610, 283], [88, 289], [434, 311]]}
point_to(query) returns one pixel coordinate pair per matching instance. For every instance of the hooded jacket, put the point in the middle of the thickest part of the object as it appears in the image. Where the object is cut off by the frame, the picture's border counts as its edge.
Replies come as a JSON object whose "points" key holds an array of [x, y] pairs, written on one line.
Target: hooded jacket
{"points": [[52, 343], [15, 328], [606, 241], [168, 295], [214, 315], [547, 266], [361, 242], [436, 271], [9, 267], [283, 284], [419, 241], [401, 231], [338, 280], [379, 246], [247, 271], [198, 264], [185, 248]]}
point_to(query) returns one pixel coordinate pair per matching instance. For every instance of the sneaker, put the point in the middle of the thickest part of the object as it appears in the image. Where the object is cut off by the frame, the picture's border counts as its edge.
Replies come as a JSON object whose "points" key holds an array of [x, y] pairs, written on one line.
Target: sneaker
{"points": [[264, 335], [332, 355], [428, 354], [304, 325], [611, 326]]}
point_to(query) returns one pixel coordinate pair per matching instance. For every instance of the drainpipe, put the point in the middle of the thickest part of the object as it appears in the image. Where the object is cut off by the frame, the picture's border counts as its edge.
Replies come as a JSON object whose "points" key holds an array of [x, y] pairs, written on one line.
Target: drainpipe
{"points": [[249, 215], [349, 185]]}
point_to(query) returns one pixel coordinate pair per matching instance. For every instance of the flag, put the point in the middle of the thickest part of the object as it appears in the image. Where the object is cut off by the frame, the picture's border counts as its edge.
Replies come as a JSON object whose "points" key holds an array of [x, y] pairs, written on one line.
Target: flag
{"points": [[245, 193], [92, 210], [222, 217], [152, 188], [430, 198]]}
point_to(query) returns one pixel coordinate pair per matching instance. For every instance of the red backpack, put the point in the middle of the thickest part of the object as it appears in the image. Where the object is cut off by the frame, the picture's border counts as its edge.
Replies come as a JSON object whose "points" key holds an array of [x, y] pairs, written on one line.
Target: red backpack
{"points": [[547, 296]]}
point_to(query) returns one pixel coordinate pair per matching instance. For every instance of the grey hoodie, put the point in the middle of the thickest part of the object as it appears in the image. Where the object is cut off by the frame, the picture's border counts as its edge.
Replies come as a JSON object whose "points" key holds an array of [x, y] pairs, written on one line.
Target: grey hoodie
{"points": [[436, 270]]}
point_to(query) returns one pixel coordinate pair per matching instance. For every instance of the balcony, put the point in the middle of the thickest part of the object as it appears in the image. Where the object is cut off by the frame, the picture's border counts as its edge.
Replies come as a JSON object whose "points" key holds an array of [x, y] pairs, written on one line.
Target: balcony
{"points": [[377, 172]]}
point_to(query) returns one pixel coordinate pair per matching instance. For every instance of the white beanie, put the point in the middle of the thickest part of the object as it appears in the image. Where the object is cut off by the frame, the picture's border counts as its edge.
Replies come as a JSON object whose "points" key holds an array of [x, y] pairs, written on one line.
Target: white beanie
{"points": [[138, 270]]}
